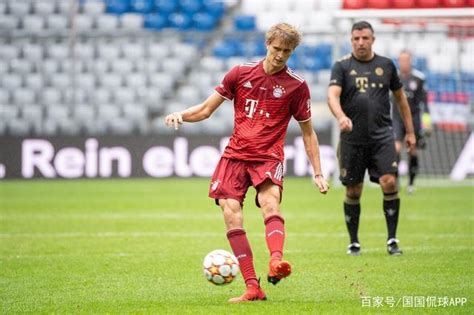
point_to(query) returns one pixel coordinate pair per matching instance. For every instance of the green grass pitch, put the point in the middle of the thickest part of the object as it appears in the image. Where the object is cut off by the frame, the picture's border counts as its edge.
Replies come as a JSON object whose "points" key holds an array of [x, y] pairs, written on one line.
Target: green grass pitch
{"points": [[136, 247]]}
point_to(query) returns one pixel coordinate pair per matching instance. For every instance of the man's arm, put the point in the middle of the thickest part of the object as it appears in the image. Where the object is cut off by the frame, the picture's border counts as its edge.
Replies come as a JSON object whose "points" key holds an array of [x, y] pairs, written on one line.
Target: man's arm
{"points": [[195, 113], [311, 146], [404, 110], [334, 103]]}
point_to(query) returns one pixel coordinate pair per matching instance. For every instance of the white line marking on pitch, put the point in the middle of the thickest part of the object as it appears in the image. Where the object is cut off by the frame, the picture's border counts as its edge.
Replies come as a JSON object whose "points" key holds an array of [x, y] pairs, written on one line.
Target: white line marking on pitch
{"points": [[198, 234], [217, 216]]}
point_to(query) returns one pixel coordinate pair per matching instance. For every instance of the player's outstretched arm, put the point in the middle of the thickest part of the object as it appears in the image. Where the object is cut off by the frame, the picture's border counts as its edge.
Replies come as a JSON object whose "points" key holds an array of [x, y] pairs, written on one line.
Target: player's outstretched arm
{"points": [[404, 109], [195, 113], [311, 145]]}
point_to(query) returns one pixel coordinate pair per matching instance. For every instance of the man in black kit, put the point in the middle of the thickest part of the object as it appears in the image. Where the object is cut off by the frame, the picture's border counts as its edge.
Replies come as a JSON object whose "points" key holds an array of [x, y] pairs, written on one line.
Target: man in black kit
{"points": [[413, 84], [359, 98]]}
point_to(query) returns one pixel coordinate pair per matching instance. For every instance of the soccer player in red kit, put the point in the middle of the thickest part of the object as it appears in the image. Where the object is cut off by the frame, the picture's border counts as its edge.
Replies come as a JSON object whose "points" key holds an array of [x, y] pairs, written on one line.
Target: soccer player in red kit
{"points": [[266, 95]]}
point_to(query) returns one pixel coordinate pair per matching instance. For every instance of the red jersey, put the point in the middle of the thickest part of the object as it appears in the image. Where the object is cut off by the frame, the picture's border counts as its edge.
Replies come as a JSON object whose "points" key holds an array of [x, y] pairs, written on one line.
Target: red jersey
{"points": [[263, 107]]}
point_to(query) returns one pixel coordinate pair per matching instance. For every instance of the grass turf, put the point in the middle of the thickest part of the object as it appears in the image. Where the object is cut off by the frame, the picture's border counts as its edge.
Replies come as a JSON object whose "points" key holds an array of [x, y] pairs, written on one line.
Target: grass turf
{"points": [[136, 246]]}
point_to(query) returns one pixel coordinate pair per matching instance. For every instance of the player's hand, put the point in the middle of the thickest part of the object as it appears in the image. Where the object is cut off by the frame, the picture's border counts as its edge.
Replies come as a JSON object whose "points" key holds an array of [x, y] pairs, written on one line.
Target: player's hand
{"points": [[345, 124], [174, 119], [410, 141], [321, 183]]}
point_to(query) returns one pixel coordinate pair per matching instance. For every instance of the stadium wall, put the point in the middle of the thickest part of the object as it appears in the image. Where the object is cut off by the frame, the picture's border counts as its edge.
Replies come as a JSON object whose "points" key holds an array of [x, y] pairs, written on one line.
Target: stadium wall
{"points": [[447, 155], [135, 156]]}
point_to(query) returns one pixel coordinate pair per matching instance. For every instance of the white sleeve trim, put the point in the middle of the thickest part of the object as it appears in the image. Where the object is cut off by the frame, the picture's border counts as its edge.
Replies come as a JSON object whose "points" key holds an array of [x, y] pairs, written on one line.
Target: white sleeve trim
{"points": [[223, 96]]}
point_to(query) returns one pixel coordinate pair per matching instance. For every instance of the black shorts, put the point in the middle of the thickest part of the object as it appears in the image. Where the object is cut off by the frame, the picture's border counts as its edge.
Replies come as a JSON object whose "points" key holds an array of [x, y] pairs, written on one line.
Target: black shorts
{"points": [[378, 158]]}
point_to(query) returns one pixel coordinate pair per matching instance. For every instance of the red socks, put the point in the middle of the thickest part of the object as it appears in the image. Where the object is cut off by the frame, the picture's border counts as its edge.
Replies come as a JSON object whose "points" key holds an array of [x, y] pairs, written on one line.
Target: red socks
{"points": [[241, 248], [275, 236]]}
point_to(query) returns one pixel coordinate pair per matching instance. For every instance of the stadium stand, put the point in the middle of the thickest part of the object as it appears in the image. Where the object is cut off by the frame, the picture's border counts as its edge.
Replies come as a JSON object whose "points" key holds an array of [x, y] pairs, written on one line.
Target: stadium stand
{"points": [[68, 67]]}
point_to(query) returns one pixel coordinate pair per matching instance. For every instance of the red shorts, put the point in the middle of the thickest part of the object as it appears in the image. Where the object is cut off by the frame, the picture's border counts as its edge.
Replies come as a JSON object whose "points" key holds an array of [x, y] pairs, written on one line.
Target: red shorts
{"points": [[232, 178]]}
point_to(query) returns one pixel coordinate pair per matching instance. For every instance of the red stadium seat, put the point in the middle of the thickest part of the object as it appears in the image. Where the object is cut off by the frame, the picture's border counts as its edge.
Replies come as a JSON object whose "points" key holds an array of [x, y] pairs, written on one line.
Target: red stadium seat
{"points": [[446, 97], [452, 127], [462, 97], [354, 4], [454, 3], [378, 4], [404, 4], [432, 96], [428, 4]]}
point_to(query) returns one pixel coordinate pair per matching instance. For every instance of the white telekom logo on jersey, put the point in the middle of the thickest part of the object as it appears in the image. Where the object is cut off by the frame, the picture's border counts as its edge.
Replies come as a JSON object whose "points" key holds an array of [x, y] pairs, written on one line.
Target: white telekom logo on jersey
{"points": [[250, 107]]}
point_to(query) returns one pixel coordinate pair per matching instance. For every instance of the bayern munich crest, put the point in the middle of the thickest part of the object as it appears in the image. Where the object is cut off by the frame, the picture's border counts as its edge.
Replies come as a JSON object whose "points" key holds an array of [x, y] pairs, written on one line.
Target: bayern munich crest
{"points": [[278, 91]]}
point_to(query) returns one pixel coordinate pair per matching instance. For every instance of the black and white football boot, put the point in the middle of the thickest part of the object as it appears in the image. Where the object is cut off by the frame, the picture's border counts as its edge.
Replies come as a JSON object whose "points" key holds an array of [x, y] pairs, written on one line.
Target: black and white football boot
{"points": [[353, 249], [392, 247]]}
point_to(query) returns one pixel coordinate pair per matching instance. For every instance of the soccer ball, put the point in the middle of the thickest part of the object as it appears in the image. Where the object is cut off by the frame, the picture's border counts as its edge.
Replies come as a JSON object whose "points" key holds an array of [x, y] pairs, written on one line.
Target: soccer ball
{"points": [[220, 267]]}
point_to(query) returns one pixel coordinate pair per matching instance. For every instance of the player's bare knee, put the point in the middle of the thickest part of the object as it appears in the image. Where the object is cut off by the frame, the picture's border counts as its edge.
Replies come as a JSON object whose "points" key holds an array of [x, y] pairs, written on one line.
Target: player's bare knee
{"points": [[354, 192], [353, 195], [232, 212], [388, 183], [233, 224], [233, 220], [269, 205], [271, 211]]}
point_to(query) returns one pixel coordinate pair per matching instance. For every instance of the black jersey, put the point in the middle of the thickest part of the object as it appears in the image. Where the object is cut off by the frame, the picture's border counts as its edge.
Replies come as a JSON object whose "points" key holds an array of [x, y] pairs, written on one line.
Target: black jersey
{"points": [[365, 96], [413, 84]]}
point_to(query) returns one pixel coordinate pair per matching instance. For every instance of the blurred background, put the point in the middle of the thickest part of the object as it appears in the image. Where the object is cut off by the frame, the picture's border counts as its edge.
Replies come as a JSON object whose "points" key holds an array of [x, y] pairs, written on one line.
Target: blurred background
{"points": [[84, 84]]}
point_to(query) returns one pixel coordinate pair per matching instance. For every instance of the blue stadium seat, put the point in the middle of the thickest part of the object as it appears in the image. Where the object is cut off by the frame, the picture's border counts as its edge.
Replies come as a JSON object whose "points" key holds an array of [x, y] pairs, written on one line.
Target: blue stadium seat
{"points": [[313, 64], [344, 50], [420, 63], [166, 6], [155, 21], [141, 6], [238, 46], [190, 6], [214, 7], [204, 22], [306, 50], [313, 58], [245, 23], [441, 82], [293, 62], [180, 21], [468, 76], [225, 49], [117, 6], [449, 83], [324, 53], [254, 48]]}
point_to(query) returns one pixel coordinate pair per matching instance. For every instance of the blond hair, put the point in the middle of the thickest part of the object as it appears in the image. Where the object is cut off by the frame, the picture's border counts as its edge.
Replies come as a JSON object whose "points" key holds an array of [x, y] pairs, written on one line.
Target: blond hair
{"points": [[286, 32]]}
